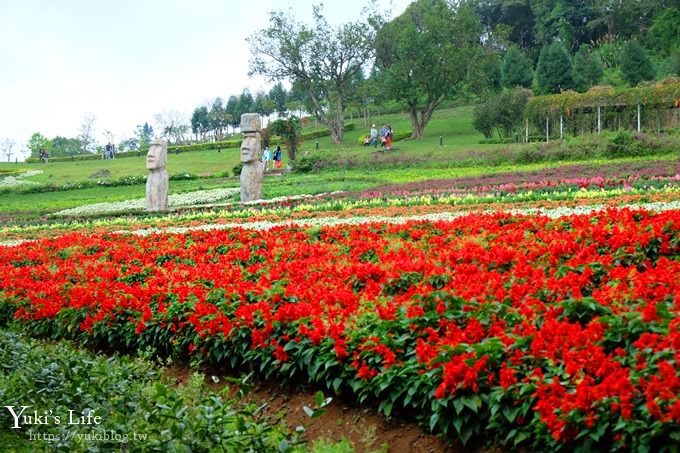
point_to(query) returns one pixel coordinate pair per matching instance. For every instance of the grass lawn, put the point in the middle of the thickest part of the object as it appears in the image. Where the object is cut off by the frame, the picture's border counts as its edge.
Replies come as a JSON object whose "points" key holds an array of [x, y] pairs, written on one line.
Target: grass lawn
{"points": [[455, 125], [346, 167], [199, 162]]}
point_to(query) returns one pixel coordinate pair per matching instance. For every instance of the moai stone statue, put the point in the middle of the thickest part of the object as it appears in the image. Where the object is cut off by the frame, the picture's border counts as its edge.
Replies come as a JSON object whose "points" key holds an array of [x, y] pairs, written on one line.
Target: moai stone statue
{"points": [[157, 179], [251, 175]]}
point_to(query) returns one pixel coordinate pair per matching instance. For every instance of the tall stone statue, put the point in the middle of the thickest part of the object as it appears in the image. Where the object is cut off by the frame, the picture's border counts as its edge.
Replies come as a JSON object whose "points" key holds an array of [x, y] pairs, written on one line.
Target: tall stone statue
{"points": [[157, 179], [251, 175]]}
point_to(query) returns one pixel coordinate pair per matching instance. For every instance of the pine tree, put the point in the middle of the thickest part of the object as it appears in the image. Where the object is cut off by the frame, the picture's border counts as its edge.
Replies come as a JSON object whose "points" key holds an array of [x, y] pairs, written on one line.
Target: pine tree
{"points": [[516, 69], [635, 65], [553, 72], [587, 69]]}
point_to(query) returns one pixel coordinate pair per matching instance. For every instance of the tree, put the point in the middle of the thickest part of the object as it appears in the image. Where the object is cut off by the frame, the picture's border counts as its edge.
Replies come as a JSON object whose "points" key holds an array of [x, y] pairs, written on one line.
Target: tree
{"points": [[37, 142], [7, 145], [279, 95], [173, 125], [263, 104], [502, 112], [508, 21], [232, 102], [485, 72], [63, 146], [289, 130], [517, 71], [218, 118], [424, 55], [86, 136], [587, 69], [664, 34], [564, 20], [483, 118], [128, 144], [245, 104], [635, 65], [553, 72], [144, 134], [200, 121], [321, 59], [675, 62]]}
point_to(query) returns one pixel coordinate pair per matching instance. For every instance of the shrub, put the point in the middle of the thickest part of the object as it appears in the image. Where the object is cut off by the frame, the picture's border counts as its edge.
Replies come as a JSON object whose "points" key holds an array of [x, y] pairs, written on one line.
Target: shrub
{"points": [[309, 164], [483, 119], [237, 168], [129, 396], [613, 77], [496, 141]]}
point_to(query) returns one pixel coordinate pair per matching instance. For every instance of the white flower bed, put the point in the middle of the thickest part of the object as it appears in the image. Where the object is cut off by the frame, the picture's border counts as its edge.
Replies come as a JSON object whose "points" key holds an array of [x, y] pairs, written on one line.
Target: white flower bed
{"points": [[18, 180], [177, 200], [289, 198], [331, 221]]}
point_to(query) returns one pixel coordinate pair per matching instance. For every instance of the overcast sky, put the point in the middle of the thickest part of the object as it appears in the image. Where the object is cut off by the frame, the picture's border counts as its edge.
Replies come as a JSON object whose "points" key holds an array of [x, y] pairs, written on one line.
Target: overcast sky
{"points": [[126, 60]]}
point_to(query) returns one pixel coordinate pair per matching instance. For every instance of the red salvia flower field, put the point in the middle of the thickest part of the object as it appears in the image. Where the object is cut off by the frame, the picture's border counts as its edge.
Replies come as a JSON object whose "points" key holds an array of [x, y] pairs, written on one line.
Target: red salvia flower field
{"points": [[535, 331]]}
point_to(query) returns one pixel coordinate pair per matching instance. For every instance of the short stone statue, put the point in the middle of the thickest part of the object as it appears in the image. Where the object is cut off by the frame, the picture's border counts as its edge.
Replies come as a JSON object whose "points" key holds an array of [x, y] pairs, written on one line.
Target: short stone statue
{"points": [[157, 179], [251, 174]]}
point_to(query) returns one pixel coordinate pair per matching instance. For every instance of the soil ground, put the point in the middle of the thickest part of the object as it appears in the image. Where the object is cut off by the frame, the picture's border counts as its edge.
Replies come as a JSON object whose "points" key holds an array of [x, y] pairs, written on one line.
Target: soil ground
{"points": [[365, 428]]}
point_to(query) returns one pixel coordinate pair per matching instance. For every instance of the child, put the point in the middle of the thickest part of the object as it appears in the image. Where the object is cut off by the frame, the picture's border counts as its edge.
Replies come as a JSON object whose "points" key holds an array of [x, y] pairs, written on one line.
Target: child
{"points": [[383, 135]]}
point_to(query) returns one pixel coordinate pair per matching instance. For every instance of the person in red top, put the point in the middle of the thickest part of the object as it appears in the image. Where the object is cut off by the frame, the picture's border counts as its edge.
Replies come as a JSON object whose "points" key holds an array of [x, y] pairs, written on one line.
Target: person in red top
{"points": [[277, 157]]}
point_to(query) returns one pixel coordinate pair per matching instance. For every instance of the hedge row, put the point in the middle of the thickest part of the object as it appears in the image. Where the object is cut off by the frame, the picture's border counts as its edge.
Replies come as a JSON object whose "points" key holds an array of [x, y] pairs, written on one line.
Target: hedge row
{"points": [[130, 180], [510, 140]]}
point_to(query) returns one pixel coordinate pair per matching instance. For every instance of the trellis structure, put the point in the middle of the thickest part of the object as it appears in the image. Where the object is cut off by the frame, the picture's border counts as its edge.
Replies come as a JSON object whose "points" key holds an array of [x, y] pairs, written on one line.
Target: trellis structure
{"points": [[654, 106]]}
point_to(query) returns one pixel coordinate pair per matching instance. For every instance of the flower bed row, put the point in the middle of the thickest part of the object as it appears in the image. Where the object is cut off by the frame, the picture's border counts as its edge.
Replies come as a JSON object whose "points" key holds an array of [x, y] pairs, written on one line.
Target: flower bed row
{"points": [[307, 207], [533, 331], [636, 174]]}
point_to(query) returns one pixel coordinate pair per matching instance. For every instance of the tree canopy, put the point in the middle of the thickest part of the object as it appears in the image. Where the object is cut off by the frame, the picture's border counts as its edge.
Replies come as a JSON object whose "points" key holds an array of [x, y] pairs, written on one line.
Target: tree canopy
{"points": [[321, 59], [554, 70], [635, 65], [424, 53], [587, 69], [516, 69]]}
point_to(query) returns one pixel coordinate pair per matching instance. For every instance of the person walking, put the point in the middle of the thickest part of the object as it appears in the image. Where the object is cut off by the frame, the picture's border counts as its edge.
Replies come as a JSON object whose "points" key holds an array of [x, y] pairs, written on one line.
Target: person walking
{"points": [[277, 157], [374, 136], [266, 158], [389, 137]]}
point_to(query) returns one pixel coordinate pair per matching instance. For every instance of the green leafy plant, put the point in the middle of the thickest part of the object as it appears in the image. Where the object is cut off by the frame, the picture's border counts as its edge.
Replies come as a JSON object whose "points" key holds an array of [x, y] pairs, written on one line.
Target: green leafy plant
{"points": [[318, 410]]}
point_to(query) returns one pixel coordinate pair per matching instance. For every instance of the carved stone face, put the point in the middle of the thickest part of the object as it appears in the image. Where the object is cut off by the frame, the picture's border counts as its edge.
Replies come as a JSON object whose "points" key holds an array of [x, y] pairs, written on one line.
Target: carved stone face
{"points": [[157, 156], [250, 148]]}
